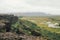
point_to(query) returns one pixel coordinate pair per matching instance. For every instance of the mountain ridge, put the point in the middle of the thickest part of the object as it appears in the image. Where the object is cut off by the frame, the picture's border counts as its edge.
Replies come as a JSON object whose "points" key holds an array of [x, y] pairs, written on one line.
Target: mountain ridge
{"points": [[32, 14]]}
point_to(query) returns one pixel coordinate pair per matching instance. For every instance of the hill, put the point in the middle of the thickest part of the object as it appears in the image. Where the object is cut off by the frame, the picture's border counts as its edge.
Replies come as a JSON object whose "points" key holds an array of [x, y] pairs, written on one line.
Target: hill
{"points": [[32, 14]]}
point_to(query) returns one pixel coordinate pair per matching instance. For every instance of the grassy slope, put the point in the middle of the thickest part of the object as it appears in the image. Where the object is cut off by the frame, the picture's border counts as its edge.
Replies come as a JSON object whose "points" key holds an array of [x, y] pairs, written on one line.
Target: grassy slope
{"points": [[41, 29], [39, 20]]}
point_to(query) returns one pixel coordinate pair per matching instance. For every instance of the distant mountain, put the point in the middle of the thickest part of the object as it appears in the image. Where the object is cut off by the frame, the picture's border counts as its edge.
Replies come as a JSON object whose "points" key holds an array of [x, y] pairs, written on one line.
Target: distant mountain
{"points": [[32, 14]]}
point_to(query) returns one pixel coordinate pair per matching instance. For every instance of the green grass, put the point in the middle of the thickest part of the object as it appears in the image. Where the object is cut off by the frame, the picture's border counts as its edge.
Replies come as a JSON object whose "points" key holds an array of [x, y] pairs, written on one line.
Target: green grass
{"points": [[46, 32], [39, 20]]}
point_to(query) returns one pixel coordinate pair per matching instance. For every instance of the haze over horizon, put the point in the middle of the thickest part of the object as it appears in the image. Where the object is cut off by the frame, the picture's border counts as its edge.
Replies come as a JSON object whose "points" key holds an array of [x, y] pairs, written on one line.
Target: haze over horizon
{"points": [[16, 6]]}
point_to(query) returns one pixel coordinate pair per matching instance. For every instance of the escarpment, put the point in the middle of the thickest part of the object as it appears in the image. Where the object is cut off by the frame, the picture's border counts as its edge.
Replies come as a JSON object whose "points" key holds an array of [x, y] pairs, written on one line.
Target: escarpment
{"points": [[6, 21]]}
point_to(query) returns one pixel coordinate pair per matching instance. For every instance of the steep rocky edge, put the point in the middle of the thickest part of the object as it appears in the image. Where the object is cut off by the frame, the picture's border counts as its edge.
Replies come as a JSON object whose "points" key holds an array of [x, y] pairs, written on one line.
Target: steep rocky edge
{"points": [[6, 33]]}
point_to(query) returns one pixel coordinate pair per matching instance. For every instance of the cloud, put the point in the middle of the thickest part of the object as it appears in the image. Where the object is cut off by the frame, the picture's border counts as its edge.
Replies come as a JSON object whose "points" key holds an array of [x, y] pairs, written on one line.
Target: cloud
{"points": [[48, 6]]}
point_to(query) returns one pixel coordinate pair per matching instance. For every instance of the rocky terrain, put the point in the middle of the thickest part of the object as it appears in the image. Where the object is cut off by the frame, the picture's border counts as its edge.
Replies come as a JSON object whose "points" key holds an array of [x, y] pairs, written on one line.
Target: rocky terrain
{"points": [[13, 28], [6, 32]]}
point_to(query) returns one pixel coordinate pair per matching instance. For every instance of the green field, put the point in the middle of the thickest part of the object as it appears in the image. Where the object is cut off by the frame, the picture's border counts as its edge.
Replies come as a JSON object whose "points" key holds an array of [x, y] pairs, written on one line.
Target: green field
{"points": [[39, 21], [41, 27]]}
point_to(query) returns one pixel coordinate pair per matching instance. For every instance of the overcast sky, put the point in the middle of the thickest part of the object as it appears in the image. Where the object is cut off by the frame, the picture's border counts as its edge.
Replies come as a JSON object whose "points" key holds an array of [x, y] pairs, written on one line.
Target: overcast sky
{"points": [[47, 6]]}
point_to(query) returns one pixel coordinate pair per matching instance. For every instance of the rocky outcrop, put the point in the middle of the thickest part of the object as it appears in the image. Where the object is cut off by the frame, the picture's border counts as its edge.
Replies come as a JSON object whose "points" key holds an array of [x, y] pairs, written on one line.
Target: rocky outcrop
{"points": [[6, 21]]}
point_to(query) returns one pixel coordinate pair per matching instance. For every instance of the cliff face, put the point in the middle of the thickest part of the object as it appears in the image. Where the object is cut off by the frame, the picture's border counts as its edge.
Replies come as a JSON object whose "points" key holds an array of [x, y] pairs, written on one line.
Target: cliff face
{"points": [[6, 21]]}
